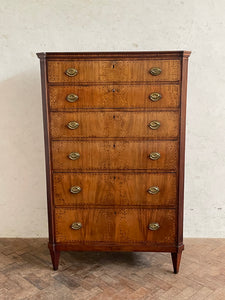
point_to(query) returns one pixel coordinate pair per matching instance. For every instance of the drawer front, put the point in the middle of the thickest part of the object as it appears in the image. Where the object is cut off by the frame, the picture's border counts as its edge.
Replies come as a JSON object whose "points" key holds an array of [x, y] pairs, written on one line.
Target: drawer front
{"points": [[114, 96], [113, 71], [115, 225], [115, 189], [121, 155], [115, 124]]}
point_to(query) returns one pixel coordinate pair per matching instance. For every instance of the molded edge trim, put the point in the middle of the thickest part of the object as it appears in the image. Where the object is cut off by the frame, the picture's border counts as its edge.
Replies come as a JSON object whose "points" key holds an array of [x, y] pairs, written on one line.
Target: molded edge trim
{"points": [[98, 246], [114, 54]]}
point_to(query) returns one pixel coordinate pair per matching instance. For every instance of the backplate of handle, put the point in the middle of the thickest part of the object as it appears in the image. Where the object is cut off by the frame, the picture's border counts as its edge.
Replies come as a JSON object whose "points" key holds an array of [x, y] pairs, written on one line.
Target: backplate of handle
{"points": [[76, 225], [73, 125], [154, 155], [71, 72], [153, 226], [74, 155], [75, 189], [153, 190], [155, 97], [72, 98], [155, 71], [154, 125]]}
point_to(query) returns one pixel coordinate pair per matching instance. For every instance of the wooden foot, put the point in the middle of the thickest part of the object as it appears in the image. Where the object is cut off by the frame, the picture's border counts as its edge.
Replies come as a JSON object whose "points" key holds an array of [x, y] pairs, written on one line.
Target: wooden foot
{"points": [[55, 257], [176, 257]]}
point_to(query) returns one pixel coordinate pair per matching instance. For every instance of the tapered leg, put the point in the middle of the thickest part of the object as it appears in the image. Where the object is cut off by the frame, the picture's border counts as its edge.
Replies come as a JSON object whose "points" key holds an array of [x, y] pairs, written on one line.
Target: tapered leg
{"points": [[55, 257], [176, 257]]}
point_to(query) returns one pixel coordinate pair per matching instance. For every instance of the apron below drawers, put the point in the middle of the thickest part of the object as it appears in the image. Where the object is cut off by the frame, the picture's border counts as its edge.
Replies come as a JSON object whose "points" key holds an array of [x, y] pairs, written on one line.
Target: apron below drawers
{"points": [[155, 226]]}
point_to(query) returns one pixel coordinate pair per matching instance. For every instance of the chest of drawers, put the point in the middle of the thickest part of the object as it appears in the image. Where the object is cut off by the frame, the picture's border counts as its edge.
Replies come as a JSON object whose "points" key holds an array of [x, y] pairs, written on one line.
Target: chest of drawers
{"points": [[114, 126]]}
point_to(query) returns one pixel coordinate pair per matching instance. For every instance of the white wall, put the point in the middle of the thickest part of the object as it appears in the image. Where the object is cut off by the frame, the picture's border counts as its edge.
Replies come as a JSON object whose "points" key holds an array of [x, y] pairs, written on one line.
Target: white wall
{"points": [[29, 26]]}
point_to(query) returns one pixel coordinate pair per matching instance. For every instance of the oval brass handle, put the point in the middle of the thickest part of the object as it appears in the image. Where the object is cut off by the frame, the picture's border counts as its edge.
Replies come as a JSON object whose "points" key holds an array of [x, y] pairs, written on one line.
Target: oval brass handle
{"points": [[153, 190], [75, 189], [76, 225], [154, 155], [72, 98], [73, 125], [71, 72], [155, 97], [153, 226], [154, 125], [155, 71], [74, 155]]}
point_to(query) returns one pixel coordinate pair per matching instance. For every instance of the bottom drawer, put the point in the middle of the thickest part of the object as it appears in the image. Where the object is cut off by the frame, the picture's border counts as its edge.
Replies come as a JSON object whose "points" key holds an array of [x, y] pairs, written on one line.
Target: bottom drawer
{"points": [[115, 225]]}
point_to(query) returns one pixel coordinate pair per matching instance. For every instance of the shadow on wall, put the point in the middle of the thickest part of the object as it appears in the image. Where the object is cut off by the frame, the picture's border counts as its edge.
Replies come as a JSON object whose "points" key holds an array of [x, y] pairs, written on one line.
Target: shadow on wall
{"points": [[22, 183]]}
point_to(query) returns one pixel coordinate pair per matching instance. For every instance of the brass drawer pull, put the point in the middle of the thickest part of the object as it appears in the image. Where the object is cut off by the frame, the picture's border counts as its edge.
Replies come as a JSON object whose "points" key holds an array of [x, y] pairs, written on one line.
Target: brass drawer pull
{"points": [[76, 225], [73, 125], [74, 155], [155, 71], [155, 97], [153, 190], [75, 189], [153, 226], [154, 155], [71, 72], [154, 125], [72, 98]]}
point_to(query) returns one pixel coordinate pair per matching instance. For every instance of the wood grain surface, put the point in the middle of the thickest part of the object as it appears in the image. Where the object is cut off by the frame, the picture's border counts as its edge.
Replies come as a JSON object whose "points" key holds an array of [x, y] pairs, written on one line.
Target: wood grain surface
{"points": [[115, 225], [114, 170], [113, 70], [120, 189], [114, 155], [115, 124], [114, 96]]}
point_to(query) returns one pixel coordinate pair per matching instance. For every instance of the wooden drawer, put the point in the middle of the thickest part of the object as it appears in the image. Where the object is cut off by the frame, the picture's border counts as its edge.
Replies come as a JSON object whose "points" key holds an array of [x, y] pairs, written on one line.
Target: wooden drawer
{"points": [[113, 71], [114, 154], [115, 189], [115, 124], [115, 96], [115, 225]]}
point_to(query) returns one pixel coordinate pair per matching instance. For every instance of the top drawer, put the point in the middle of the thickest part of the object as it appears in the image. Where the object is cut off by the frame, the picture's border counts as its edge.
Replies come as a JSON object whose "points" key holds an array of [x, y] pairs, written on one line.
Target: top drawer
{"points": [[113, 71]]}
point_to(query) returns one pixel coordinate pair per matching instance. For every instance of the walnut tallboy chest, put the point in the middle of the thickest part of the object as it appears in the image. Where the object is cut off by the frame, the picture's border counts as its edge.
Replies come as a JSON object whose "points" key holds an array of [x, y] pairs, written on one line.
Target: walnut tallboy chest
{"points": [[114, 125]]}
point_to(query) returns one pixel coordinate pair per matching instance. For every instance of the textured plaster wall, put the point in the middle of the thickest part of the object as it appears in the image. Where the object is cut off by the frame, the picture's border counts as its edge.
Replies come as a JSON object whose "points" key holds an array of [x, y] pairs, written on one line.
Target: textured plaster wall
{"points": [[27, 27]]}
